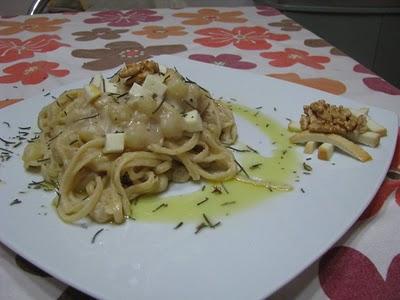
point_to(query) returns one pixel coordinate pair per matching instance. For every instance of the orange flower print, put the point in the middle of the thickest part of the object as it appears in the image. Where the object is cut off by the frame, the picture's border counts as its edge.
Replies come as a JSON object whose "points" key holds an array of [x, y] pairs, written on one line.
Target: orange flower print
{"points": [[7, 102], [209, 15], [37, 24], [161, 32], [321, 83], [290, 57]]}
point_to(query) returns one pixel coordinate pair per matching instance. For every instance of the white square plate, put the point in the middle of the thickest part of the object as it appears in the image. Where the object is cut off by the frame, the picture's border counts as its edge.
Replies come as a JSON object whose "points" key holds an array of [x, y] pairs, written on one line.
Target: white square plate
{"points": [[250, 256]]}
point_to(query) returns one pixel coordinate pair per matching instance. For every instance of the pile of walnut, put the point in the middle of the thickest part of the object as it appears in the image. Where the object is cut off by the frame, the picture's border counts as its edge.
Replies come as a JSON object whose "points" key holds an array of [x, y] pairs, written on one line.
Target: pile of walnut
{"points": [[326, 126]]}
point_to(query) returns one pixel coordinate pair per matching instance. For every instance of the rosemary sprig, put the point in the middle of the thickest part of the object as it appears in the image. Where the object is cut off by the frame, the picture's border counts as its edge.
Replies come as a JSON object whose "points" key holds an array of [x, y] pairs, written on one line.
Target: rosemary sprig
{"points": [[89, 117], [203, 201], [159, 106], [178, 226], [242, 169], [160, 206], [96, 234]]}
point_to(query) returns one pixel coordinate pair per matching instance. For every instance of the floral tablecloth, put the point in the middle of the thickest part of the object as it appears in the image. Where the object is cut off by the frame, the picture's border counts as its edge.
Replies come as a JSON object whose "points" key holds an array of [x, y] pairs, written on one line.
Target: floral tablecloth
{"points": [[38, 53]]}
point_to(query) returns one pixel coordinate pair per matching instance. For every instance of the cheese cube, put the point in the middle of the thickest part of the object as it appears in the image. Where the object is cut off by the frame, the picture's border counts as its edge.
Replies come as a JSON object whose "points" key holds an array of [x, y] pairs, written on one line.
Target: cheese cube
{"points": [[139, 91], [193, 122], [162, 68], [310, 147], [115, 143], [97, 80], [110, 87], [92, 92], [325, 151], [154, 83]]}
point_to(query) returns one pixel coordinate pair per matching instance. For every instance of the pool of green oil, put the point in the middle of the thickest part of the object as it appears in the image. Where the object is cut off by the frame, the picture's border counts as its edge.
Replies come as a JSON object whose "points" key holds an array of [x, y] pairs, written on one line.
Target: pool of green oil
{"points": [[234, 196]]}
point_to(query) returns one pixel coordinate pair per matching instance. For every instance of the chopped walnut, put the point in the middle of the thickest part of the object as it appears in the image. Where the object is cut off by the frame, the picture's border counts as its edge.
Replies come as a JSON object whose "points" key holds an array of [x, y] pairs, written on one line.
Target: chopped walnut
{"points": [[322, 117], [137, 72]]}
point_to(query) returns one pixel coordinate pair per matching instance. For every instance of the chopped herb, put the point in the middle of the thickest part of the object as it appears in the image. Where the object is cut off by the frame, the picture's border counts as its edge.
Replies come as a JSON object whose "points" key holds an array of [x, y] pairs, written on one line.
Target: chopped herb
{"points": [[302, 190], [15, 87], [6, 150], [200, 227], [273, 143], [179, 225], [25, 128], [201, 202], [65, 113], [307, 167], [228, 203], [73, 142], [284, 152], [266, 125], [104, 85], [6, 142], [159, 106], [24, 133], [207, 220], [15, 201], [53, 97], [69, 97], [216, 190], [242, 169], [274, 108], [6, 123], [47, 94], [203, 188], [21, 192], [114, 74], [259, 107], [56, 136], [238, 150], [96, 234], [233, 99], [91, 80], [288, 119], [333, 164], [17, 144], [160, 206], [309, 158], [90, 117], [224, 188], [255, 166], [166, 78], [58, 104], [251, 149], [256, 114], [306, 173]]}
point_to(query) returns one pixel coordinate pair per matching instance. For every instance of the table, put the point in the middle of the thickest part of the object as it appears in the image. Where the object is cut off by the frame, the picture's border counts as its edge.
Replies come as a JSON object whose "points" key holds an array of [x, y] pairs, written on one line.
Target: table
{"points": [[38, 53]]}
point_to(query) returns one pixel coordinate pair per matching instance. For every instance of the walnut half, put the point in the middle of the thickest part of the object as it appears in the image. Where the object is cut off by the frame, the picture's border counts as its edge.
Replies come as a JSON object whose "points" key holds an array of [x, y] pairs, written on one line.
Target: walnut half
{"points": [[322, 117], [137, 72]]}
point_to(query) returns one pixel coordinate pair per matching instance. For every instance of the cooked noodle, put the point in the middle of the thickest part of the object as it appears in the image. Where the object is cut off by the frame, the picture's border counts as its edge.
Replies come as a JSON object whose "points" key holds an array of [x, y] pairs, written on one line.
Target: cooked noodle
{"points": [[158, 148]]}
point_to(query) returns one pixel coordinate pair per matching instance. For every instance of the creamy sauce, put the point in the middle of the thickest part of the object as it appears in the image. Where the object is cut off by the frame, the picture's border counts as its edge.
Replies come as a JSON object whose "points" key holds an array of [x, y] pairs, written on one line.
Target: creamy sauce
{"points": [[281, 168]]}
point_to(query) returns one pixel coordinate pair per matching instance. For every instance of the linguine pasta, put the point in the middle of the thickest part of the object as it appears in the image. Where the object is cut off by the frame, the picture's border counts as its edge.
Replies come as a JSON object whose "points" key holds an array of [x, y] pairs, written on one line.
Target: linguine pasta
{"points": [[109, 143]]}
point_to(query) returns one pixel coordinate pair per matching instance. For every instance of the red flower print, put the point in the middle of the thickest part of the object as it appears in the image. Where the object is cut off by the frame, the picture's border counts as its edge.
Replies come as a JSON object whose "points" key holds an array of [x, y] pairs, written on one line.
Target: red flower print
{"points": [[389, 185], [31, 73], [227, 60], [14, 49], [376, 83], [246, 38], [291, 56], [345, 273], [268, 11], [123, 19]]}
